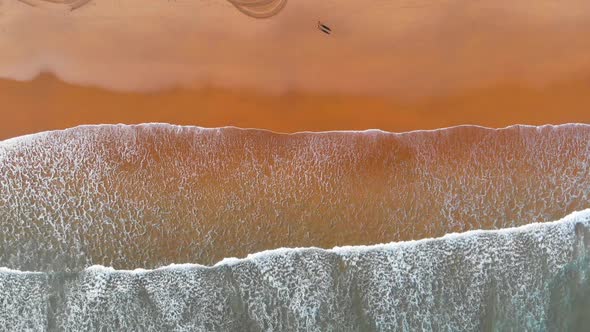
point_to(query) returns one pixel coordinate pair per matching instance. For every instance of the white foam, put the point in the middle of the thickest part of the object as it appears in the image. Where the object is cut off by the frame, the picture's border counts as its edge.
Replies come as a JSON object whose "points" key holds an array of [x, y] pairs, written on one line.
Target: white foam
{"points": [[12, 271], [31, 137], [73, 153], [312, 291], [572, 218]]}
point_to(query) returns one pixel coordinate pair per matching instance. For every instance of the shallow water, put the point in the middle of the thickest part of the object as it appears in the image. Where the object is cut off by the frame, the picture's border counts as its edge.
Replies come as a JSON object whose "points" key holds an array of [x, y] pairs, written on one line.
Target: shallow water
{"points": [[152, 195]]}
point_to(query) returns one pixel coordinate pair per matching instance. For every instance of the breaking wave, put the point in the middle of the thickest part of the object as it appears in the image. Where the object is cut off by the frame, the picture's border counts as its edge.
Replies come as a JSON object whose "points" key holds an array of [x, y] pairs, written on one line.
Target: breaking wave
{"points": [[533, 277]]}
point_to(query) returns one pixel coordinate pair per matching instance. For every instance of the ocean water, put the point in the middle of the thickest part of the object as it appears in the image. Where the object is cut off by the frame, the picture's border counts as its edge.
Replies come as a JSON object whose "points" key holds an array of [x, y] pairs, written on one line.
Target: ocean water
{"points": [[531, 278], [133, 228], [153, 195]]}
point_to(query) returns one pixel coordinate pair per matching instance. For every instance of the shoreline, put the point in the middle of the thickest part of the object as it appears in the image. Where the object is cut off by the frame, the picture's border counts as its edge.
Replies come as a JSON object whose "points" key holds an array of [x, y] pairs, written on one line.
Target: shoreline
{"points": [[568, 222], [60, 105]]}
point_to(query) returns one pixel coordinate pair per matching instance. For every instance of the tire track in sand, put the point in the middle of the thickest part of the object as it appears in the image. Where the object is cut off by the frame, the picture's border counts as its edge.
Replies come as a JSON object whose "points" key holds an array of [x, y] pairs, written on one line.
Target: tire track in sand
{"points": [[252, 8], [73, 4]]}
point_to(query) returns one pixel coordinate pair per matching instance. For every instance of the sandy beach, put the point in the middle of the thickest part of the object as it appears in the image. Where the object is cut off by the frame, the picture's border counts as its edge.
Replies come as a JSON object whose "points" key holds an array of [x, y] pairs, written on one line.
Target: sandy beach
{"points": [[47, 104], [391, 65], [215, 171]]}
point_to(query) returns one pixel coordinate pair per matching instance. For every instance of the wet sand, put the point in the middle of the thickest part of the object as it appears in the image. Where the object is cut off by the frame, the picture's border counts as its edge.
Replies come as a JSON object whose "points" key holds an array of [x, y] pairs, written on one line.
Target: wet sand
{"points": [[47, 103]]}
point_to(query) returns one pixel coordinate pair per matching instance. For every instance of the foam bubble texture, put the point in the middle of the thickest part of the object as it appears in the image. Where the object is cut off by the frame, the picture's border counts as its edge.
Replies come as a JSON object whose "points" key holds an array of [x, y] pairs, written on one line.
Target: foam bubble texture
{"points": [[524, 279], [152, 195]]}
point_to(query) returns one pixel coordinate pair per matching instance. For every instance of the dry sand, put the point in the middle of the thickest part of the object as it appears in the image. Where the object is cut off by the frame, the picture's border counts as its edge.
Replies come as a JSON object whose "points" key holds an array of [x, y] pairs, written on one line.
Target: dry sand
{"points": [[380, 47]]}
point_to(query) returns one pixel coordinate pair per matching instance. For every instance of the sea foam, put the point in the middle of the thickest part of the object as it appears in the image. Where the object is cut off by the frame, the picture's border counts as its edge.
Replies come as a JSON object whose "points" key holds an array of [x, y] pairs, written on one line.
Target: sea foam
{"points": [[533, 277], [152, 195]]}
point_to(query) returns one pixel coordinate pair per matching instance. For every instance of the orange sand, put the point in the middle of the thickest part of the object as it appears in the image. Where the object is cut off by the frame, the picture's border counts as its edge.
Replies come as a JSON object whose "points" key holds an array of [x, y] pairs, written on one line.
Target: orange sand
{"points": [[47, 103], [393, 65]]}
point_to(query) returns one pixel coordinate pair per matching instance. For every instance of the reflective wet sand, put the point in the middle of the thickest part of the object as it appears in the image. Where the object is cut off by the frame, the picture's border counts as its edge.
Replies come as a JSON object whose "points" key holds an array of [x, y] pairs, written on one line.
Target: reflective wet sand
{"points": [[47, 104]]}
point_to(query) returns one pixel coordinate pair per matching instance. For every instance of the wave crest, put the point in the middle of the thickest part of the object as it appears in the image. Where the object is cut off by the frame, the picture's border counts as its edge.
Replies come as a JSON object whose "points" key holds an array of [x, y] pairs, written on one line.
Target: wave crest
{"points": [[526, 278]]}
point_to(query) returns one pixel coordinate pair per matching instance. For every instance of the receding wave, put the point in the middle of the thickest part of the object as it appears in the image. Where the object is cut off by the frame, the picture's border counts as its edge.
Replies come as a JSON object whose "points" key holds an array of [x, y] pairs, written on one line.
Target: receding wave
{"points": [[531, 278], [152, 195]]}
